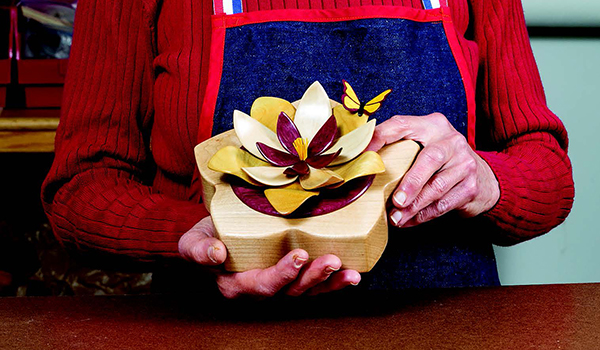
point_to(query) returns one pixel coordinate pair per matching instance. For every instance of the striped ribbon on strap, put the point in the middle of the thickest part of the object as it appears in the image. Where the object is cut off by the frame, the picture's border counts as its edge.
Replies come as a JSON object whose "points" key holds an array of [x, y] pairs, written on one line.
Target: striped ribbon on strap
{"points": [[231, 7], [228, 7], [432, 4]]}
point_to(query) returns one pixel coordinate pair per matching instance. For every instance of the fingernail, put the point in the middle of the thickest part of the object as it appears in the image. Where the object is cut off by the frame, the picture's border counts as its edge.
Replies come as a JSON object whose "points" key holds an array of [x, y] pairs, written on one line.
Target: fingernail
{"points": [[400, 198], [329, 270], [354, 283], [396, 217], [299, 261], [212, 254]]}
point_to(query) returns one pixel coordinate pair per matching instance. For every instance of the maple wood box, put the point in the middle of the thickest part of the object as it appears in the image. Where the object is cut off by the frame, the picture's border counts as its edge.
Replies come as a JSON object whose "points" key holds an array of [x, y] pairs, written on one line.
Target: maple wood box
{"points": [[42, 80]]}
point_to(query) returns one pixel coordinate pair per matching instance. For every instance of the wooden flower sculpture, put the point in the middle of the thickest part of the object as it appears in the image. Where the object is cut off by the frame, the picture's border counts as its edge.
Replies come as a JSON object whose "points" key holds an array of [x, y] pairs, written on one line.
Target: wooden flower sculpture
{"points": [[298, 150], [299, 177]]}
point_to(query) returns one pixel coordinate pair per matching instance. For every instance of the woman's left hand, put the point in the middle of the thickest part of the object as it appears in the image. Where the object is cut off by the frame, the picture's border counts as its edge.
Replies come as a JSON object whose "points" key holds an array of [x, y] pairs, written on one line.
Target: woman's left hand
{"points": [[447, 174]]}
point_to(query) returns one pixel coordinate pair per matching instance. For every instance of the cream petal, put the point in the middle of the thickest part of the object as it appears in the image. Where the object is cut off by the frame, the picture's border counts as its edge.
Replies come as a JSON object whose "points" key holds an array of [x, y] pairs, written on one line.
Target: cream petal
{"points": [[347, 121], [318, 178], [269, 175], [368, 163], [313, 111], [266, 110], [332, 102], [288, 198], [250, 131], [353, 143], [231, 160]]}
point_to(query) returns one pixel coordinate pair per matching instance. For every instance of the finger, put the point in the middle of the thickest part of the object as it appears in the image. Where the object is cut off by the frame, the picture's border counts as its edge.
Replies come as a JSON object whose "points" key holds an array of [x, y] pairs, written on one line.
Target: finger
{"points": [[457, 197], [337, 281], [204, 251], [398, 128], [430, 160], [199, 245], [436, 188], [316, 272], [205, 227], [265, 282]]}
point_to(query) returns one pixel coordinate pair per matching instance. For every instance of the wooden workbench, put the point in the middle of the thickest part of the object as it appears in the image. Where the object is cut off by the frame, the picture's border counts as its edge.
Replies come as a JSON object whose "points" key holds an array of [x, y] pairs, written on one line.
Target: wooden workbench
{"points": [[526, 317], [28, 130]]}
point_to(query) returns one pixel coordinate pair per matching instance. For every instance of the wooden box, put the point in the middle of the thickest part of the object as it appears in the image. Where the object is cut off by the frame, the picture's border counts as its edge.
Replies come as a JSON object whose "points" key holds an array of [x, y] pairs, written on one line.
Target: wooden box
{"points": [[357, 233]]}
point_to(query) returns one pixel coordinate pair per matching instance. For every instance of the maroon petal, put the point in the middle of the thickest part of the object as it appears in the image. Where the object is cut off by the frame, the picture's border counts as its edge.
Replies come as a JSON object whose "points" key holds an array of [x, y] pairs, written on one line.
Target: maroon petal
{"points": [[287, 133], [300, 168], [323, 160], [275, 156], [323, 139]]}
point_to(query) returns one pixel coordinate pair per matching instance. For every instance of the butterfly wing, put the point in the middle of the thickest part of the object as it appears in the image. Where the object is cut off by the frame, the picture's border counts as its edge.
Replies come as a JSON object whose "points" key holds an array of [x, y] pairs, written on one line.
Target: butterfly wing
{"points": [[373, 105], [349, 98]]}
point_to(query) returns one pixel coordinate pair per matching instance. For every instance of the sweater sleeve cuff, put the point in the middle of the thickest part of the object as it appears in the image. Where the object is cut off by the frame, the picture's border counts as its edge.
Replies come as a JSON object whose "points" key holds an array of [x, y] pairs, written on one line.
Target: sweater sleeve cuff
{"points": [[508, 196]]}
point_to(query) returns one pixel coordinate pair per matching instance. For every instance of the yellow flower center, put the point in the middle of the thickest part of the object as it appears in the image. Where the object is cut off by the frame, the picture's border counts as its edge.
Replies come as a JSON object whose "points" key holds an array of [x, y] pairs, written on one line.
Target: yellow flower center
{"points": [[301, 146]]}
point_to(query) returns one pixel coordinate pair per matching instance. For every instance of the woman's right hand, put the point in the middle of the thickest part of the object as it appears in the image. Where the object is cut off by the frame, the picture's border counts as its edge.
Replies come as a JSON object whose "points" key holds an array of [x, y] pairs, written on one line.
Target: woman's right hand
{"points": [[293, 274]]}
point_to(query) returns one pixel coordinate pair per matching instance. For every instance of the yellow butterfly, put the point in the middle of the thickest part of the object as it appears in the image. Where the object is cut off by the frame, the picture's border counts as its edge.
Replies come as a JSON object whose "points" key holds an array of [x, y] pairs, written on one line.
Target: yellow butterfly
{"points": [[353, 104]]}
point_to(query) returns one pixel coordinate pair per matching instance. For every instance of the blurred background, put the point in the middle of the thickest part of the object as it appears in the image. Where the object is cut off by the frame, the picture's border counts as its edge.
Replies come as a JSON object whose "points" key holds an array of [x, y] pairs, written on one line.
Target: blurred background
{"points": [[35, 39], [565, 37]]}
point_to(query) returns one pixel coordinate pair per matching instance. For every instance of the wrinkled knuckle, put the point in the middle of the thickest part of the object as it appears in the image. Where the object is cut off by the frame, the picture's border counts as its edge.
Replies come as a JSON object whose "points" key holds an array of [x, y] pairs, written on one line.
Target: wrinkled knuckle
{"points": [[435, 154], [459, 141], [415, 206], [438, 118], [421, 216], [411, 181], [439, 185], [470, 164], [443, 205]]}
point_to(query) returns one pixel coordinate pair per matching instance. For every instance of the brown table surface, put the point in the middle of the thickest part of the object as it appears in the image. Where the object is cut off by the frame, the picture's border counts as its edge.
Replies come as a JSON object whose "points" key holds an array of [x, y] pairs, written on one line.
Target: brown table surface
{"points": [[524, 317], [28, 130]]}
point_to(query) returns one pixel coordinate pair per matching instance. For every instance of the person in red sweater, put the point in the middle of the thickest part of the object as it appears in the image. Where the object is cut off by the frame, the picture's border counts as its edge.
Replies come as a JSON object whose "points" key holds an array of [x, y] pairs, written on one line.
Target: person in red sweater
{"points": [[123, 177]]}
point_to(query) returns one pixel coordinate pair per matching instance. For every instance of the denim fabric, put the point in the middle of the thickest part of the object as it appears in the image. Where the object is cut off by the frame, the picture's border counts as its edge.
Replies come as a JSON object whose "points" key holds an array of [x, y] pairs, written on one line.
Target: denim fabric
{"points": [[414, 59], [447, 252], [283, 58]]}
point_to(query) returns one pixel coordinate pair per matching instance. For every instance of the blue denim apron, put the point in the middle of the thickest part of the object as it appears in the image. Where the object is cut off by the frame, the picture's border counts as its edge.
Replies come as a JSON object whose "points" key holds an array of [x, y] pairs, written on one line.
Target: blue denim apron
{"points": [[281, 52]]}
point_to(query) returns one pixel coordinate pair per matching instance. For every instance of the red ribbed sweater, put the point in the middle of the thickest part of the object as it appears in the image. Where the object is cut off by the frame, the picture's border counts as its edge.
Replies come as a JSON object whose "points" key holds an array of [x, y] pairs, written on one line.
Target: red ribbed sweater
{"points": [[121, 179]]}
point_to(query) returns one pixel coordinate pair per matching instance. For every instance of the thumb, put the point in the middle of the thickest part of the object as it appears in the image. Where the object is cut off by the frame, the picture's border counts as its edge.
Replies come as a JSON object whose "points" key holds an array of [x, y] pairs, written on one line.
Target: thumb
{"points": [[199, 245]]}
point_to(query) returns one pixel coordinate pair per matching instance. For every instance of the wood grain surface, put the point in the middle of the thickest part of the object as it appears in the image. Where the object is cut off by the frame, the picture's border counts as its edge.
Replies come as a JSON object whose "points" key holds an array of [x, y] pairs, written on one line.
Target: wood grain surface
{"points": [[27, 141], [26, 124], [357, 233], [503, 318], [28, 130]]}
